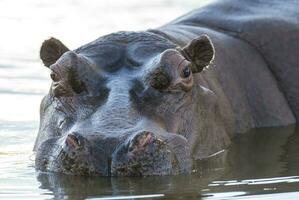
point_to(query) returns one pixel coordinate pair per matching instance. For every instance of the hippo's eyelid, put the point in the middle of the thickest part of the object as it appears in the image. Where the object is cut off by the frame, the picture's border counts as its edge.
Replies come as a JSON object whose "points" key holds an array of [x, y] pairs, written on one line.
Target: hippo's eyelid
{"points": [[55, 76], [55, 71], [182, 62]]}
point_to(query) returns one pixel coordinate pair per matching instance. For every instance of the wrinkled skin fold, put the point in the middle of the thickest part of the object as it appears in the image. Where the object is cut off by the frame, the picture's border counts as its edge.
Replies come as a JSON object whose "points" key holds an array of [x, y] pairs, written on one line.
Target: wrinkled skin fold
{"points": [[152, 102]]}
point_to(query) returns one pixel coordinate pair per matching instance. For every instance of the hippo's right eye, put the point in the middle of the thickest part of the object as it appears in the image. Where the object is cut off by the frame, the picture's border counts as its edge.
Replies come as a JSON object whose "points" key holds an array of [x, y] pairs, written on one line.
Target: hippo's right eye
{"points": [[186, 72], [54, 76]]}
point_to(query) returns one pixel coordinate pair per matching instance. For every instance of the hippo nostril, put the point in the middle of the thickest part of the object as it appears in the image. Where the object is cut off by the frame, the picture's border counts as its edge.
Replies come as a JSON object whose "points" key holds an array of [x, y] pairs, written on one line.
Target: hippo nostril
{"points": [[141, 140], [74, 141], [145, 153]]}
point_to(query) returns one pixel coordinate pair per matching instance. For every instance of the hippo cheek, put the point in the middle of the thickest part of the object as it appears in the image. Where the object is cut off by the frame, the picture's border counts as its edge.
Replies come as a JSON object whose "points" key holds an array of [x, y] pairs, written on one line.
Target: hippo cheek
{"points": [[144, 155]]}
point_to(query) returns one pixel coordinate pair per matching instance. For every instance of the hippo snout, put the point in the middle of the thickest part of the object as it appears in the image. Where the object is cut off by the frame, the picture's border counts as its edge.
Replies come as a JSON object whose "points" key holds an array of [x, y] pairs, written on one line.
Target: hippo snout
{"points": [[146, 154], [141, 154], [75, 141]]}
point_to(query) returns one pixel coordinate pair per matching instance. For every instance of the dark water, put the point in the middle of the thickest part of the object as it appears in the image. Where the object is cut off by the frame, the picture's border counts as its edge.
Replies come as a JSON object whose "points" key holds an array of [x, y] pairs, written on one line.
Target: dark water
{"points": [[262, 164]]}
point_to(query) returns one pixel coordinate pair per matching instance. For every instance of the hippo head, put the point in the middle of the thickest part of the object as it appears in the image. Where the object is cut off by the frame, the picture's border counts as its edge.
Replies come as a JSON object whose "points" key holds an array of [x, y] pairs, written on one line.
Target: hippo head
{"points": [[123, 105]]}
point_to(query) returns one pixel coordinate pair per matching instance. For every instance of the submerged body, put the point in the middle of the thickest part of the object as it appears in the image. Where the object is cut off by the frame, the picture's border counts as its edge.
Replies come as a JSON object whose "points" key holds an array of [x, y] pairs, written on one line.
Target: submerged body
{"points": [[149, 103]]}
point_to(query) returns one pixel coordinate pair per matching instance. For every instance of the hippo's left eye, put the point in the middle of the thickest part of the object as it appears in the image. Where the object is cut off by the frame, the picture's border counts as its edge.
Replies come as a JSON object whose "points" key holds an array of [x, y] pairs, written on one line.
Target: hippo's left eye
{"points": [[54, 76], [186, 72]]}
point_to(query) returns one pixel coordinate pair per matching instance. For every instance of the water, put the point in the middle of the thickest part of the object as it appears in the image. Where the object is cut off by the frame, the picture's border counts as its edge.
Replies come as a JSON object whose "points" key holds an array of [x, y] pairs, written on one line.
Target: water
{"points": [[262, 164]]}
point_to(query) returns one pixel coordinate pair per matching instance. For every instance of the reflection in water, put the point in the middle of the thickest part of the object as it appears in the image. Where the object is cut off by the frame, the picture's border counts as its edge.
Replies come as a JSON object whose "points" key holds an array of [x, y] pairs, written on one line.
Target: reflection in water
{"points": [[263, 161], [83, 187]]}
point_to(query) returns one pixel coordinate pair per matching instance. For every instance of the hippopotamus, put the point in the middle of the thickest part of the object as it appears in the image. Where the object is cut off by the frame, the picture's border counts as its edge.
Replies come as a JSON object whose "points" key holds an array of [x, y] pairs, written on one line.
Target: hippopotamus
{"points": [[153, 102]]}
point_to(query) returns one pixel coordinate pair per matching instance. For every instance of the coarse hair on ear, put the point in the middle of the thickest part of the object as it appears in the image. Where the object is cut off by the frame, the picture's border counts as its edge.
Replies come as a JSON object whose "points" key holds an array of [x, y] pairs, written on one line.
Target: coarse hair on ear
{"points": [[200, 52], [51, 50]]}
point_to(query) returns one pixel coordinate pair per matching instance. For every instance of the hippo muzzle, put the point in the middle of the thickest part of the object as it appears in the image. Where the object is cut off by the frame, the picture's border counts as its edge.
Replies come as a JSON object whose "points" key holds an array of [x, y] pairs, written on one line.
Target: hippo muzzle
{"points": [[141, 154]]}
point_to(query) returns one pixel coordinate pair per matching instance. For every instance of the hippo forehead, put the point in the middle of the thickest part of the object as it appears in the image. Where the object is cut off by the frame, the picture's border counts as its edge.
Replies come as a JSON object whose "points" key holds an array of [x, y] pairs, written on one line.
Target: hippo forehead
{"points": [[124, 49]]}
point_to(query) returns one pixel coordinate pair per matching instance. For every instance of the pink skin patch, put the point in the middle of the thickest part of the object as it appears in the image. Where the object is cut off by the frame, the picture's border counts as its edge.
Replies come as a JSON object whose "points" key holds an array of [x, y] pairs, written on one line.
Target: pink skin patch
{"points": [[142, 142], [72, 141], [146, 140]]}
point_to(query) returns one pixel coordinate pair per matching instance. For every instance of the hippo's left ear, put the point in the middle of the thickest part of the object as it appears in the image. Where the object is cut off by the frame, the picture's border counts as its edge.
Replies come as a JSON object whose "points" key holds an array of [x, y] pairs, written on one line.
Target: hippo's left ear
{"points": [[51, 50], [200, 51]]}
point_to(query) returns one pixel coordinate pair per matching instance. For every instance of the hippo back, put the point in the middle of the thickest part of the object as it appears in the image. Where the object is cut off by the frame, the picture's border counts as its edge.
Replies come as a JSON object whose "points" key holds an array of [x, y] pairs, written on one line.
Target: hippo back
{"points": [[270, 27]]}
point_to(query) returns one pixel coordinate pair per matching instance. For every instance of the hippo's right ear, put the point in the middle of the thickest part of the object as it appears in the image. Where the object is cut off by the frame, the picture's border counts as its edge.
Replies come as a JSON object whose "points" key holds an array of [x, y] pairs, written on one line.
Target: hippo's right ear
{"points": [[200, 51], [51, 50]]}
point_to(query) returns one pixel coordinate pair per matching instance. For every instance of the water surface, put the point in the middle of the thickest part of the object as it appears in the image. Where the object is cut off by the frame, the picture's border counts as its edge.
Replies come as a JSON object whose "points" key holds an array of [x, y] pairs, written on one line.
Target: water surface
{"points": [[259, 165]]}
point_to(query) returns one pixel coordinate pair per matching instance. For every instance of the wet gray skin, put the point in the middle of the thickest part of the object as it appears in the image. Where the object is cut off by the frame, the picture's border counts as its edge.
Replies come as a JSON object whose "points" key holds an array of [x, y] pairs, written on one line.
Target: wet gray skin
{"points": [[119, 106], [152, 102]]}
